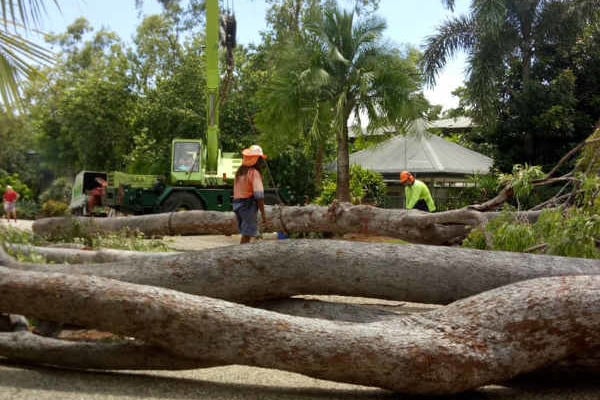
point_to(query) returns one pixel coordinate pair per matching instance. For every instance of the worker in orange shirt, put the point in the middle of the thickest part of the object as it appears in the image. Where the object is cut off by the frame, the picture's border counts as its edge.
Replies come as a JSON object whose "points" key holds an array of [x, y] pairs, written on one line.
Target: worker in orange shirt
{"points": [[249, 193]]}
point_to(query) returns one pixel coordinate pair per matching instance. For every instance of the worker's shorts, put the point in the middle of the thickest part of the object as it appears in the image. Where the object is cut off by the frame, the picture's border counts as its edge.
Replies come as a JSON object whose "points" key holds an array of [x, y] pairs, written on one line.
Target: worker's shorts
{"points": [[10, 206], [246, 211]]}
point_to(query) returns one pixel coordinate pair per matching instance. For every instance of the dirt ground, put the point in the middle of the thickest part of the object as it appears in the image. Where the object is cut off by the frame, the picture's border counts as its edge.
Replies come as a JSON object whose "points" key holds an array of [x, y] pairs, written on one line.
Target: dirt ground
{"points": [[21, 382]]}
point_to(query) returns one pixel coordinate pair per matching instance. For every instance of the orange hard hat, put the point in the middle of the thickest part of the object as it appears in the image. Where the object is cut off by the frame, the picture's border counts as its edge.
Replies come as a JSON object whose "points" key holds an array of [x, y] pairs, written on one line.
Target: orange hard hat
{"points": [[406, 177]]}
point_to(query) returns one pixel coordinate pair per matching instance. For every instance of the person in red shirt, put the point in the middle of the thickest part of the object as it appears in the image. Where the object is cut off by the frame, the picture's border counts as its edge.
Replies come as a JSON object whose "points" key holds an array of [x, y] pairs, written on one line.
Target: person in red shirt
{"points": [[10, 203], [248, 193], [96, 194]]}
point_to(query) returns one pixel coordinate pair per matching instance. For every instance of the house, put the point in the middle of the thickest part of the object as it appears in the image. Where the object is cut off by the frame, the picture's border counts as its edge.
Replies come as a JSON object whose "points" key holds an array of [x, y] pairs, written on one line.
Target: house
{"points": [[431, 158]]}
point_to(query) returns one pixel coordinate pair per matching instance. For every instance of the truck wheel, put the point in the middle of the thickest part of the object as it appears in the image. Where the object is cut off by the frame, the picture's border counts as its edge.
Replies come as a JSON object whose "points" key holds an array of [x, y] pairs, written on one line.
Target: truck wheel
{"points": [[272, 199], [180, 201]]}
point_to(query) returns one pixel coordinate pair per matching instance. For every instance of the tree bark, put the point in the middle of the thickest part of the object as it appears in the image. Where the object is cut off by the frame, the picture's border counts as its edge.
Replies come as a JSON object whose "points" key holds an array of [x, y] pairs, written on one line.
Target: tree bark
{"points": [[448, 227], [280, 269], [63, 255], [487, 338], [130, 355]]}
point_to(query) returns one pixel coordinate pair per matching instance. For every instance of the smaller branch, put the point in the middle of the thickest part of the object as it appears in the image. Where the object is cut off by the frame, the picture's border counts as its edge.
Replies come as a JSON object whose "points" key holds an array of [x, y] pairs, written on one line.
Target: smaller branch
{"points": [[505, 194], [131, 355], [534, 249], [68, 255], [566, 157]]}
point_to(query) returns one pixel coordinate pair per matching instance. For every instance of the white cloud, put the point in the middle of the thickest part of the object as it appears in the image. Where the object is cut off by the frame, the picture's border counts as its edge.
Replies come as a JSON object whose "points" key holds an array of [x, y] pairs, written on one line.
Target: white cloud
{"points": [[449, 79]]}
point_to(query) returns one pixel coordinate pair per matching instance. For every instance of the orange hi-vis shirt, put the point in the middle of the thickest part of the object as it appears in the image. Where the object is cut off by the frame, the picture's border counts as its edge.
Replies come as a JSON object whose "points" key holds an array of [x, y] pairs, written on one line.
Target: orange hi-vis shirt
{"points": [[248, 186]]}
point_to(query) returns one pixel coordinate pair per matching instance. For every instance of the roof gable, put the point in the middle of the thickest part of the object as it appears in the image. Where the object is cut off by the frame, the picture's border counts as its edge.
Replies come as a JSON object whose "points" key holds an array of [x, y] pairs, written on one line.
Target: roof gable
{"points": [[422, 152]]}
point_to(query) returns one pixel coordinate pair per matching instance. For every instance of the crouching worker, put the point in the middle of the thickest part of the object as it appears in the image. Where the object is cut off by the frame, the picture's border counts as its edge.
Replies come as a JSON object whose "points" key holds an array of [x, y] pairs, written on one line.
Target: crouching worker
{"points": [[416, 193], [95, 195], [248, 193]]}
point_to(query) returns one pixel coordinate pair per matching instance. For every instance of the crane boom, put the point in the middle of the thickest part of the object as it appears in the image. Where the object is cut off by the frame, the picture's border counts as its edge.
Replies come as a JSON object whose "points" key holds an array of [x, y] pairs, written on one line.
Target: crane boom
{"points": [[212, 82]]}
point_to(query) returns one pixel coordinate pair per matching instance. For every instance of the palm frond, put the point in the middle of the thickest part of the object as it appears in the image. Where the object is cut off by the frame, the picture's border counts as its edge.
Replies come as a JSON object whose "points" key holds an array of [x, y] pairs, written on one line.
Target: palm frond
{"points": [[23, 13], [18, 55], [17, 59], [454, 35]]}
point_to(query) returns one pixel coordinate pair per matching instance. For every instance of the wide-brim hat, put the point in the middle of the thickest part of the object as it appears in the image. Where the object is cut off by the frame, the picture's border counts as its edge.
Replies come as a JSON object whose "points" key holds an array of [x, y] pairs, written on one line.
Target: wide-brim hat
{"points": [[252, 154]]}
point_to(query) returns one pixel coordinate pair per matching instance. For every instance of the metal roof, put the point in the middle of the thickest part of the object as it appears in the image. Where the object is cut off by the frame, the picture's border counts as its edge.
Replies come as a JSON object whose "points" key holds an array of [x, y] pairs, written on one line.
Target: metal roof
{"points": [[452, 123], [422, 152]]}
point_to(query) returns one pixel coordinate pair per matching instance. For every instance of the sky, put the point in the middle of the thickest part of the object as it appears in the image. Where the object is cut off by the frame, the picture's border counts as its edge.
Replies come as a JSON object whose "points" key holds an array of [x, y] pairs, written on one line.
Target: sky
{"points": [[408, 21]]}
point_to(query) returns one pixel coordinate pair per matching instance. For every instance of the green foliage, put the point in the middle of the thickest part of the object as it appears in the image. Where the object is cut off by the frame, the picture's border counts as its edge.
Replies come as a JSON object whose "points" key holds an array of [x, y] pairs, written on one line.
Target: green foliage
{"points": [[172, 108], [17, 149], [19, 55], [574, 232], [12, 235], [521, 180], [81, 113], [125, 239], [9, 234], [479, 189], [589, 160], [293, 172], [505, 232], [366, 187], [15, 181], [27, 209], [328, 190], [53, 208], [535, 99], [59, 190], [122, 240], [337, 65], [476, 240]]}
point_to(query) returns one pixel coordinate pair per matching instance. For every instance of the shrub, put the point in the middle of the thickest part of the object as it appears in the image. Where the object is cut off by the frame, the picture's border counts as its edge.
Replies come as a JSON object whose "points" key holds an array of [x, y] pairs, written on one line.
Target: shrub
{"points": [[27, 209], [365, 187], [14, 181], [53, 208], [59, 191]]}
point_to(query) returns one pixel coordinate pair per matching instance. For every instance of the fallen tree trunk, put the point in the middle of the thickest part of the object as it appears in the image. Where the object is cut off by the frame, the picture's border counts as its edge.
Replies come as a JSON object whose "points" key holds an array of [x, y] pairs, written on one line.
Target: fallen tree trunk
{"points": [[414, 226], [487, 338], [128, 354], [280, 269]]}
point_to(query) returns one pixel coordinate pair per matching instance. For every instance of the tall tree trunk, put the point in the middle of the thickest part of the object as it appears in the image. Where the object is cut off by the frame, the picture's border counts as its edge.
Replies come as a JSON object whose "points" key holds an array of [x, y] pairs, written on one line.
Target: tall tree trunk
{"points": [[343, 164]]}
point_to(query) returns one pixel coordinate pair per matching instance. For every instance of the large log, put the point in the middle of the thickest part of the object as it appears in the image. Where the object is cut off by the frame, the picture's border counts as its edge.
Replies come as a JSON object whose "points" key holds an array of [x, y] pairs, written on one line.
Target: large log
{"points": [[414, 226], [487, 338], [128, 354], [280, 269]]}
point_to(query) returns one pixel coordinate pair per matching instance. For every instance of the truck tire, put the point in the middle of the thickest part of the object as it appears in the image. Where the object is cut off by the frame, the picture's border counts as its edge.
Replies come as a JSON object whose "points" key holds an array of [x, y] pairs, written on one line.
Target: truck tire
{"points": [[179, 201], [272, 199]]}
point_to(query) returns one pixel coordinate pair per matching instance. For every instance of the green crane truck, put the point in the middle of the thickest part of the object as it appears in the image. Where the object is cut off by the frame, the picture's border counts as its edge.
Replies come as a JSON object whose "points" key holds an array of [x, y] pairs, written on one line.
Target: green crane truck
{"points": [[200, 176]]}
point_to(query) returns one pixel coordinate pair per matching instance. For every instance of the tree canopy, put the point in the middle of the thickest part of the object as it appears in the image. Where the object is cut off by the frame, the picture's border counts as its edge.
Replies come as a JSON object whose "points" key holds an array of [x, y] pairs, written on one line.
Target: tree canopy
{"points": [[105, 103]]}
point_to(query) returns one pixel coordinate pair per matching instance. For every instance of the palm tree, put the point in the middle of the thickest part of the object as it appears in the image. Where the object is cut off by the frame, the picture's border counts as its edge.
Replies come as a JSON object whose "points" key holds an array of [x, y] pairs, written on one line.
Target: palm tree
{"points": [[18, 55], [499, 35], [338, 69]]}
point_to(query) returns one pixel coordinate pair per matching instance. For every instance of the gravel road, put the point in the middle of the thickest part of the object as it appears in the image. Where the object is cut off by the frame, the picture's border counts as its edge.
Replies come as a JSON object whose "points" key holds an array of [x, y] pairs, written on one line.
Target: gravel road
{"points": [[20, 382]]}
